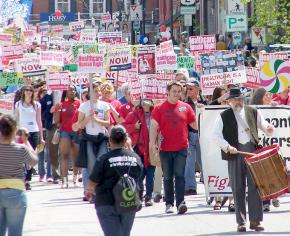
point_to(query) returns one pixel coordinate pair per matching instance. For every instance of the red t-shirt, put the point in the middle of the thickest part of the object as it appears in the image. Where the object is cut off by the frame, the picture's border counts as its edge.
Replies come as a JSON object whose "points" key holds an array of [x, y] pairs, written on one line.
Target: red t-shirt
{"points": [[116, 104], [125, 109], [69, 114], [173, 120], [281, 101]]}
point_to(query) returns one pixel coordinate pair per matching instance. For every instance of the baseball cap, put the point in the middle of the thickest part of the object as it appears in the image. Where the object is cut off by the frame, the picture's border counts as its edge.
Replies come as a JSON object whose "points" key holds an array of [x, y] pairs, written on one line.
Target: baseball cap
{"points": [[192, 82]]}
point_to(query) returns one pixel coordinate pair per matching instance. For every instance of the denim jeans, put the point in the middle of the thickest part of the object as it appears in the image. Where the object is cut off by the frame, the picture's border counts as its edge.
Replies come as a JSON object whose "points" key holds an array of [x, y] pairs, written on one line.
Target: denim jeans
{"points": [[92, 158], [114, 224], [193, 151], [42, 158], [173, 166], [148, 173], [34, 141], [86, 175], [13, 204], [53, 151]]}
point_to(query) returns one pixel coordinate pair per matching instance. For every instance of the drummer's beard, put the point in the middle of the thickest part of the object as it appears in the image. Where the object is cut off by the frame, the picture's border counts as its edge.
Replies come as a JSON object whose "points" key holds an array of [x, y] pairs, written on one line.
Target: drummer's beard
{"points": [[237, 107]]}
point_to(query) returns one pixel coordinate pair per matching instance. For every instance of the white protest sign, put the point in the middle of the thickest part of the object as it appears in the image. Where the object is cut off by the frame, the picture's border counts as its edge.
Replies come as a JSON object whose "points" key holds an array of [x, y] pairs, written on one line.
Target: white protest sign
{"points": [[90, 63], [106, 18], [265, 57], [210, 82], [120, 59], [30, 66], [215, 170], [166, 62], [88, 36], [6, 106], [166, 47], [76, 25], [253, 78], [79, 78], [58, 81], [52, 58], [110, 37], [136, 13], [202, 43], [6, 39]]}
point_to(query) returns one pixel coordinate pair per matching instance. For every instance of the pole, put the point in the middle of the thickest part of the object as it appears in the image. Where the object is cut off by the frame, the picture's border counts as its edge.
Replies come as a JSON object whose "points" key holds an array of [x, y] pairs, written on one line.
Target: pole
{"points": [[171, 19], [144, 16], [91, 95], [132, 30], [117, 81]]}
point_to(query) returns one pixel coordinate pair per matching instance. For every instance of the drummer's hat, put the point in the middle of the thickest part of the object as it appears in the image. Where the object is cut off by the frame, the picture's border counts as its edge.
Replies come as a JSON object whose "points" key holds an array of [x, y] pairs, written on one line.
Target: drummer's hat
{"points": [[235, 93]]}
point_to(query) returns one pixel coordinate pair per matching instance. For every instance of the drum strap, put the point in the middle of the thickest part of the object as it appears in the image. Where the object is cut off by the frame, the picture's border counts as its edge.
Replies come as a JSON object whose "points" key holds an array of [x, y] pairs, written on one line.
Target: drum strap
{"points": [[245, 126]]}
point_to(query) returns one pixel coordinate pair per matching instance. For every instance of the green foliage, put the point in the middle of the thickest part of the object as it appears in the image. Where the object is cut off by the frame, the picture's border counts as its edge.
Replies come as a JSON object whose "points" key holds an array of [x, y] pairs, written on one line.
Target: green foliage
{"points": [[273, 14]]}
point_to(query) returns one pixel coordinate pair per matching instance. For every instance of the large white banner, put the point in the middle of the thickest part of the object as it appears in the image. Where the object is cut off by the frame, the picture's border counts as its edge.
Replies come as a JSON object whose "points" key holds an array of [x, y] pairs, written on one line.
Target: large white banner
{"points": [[215, 170]]}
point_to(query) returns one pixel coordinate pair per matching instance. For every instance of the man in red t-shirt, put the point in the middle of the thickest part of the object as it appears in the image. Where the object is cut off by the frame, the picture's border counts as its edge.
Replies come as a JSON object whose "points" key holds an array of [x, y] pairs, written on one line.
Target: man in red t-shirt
{"points": [[172, 118], [282, 98]]}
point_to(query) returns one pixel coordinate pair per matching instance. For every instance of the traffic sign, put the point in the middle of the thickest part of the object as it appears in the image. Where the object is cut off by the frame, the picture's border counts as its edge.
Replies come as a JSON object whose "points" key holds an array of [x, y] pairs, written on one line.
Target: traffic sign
{"points": [[136, 12], [187, 7], [236, 23]]}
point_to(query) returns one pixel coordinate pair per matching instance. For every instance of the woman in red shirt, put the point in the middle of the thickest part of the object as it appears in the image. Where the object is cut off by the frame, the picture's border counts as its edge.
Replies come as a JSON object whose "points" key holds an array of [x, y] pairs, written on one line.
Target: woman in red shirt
{"points": [[67, 114], [107, 90]]}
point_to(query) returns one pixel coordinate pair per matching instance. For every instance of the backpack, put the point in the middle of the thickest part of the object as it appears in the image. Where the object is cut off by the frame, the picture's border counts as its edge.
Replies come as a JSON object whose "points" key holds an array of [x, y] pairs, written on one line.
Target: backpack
{"points": [[126, 194]]}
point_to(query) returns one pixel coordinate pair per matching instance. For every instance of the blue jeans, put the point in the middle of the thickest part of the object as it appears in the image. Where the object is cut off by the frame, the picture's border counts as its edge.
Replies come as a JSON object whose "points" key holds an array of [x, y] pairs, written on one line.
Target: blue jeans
{"points": [[173, 166], [42, 157], [13, 204], [148, 173], [86, 175], [114, 224], [193, 151]]}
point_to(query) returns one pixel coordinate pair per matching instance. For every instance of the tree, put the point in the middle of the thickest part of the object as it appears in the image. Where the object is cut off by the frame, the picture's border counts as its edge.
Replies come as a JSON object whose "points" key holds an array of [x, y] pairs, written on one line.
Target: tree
{"points": [[273, 14], [10, 9]]}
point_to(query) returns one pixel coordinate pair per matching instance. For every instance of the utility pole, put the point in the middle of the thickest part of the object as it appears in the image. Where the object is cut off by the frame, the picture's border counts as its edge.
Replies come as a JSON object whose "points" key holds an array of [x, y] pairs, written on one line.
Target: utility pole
{"points": [[132, 27], [144, 16], [171, 18]]}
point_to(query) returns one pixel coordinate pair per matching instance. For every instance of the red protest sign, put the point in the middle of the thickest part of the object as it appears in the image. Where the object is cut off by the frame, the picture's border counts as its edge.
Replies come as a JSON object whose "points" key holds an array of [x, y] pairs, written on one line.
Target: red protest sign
{"points": [[146, 59]]}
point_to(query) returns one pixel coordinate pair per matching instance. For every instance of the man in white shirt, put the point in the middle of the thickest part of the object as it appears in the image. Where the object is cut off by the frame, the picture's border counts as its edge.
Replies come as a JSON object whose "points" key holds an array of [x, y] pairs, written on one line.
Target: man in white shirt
{"points": [[236, 129]]}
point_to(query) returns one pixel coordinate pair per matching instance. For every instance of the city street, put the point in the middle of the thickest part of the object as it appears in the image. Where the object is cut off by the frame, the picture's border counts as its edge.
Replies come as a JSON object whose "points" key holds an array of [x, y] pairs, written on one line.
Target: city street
{"points": [[61, 212]]}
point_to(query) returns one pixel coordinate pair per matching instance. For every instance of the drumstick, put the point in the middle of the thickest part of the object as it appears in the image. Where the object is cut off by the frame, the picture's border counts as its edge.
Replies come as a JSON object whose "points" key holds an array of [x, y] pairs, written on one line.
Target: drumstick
{"points": [[246, 153]]}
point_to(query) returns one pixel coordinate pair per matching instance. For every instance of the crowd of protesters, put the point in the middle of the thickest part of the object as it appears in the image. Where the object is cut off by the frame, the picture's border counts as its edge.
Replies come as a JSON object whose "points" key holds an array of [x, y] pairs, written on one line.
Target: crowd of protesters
{"points": [[85, 118]]}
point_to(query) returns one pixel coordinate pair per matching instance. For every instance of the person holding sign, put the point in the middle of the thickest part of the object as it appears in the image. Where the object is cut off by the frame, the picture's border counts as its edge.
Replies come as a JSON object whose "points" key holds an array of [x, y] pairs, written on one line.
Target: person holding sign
{"points": [[236, 129]]}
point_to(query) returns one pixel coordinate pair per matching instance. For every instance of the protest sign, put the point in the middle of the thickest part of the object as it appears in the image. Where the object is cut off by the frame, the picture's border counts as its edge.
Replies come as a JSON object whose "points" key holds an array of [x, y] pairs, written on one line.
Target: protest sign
{"points": [[76, 26], [110, 37], [135, 89], [52, 58], [28, 34], [216, 178], [265, 57], [146, 59], [153, 86], [76, 50], [220, 68], [106, 18], [70, 67], [202, 43], [6, 39], [79, 78], [10, 79], [90, 63], [11, 53], [6, 107], [120, 59], [88, 36], [30, 66], [185, 62], [90, 48], [58, 81], [166, 47], [166, 62], [57, 28], [253, 78]]}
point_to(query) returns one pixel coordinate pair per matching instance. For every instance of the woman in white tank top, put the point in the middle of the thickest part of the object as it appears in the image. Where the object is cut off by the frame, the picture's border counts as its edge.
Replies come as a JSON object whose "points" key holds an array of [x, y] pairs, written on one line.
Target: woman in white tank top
{"points": [[28, 115]]}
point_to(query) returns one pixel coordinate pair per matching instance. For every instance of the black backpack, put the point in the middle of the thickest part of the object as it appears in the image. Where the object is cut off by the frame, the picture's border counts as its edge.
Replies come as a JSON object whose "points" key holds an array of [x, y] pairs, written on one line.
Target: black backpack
{"points": [[126, 194]]}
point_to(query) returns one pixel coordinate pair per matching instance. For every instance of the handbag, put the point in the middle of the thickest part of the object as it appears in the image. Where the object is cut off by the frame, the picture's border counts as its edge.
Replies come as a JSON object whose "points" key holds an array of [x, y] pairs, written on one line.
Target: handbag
{"points": [[56, 137]]}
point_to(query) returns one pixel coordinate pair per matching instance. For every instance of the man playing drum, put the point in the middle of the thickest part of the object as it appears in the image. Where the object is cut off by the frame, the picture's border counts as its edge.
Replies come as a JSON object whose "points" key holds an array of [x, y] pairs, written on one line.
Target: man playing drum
{"points": [[236, 129]]}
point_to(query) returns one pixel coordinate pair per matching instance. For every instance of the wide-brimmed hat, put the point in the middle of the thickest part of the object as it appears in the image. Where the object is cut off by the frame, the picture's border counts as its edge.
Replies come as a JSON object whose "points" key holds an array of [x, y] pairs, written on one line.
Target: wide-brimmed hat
{"points": [[235, 93]]}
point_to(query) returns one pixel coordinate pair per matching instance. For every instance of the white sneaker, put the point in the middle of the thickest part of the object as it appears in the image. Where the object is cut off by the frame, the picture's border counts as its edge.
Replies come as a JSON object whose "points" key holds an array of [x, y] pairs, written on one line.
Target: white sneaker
{"points": [[182, 208], [169, 209]]}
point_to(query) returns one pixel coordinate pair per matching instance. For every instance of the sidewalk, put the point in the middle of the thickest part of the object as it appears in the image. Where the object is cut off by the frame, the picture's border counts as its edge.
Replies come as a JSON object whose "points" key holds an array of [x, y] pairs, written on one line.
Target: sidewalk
{"points": [[61, 212]]}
